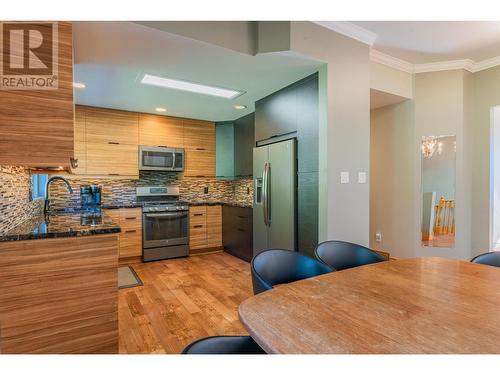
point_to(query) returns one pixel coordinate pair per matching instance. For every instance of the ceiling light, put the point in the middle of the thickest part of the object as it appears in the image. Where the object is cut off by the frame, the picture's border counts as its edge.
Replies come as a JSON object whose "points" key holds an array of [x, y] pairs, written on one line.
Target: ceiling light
{"points": [[159, 109], [79, 85], [198, 88], [239, 106]]}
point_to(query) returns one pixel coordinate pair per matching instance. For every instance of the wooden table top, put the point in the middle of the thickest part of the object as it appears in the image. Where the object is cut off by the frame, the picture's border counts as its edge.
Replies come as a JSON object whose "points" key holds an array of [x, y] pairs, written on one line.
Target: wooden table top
{"points": [[421, 305]]}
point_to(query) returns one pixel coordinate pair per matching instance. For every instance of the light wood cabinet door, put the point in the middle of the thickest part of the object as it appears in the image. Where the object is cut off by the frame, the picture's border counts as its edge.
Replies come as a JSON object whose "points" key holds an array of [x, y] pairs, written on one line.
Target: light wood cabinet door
{"points": [[199, 163], [160, 131], [112, 159], [36, 126], [80, 144], [199, 135], [111, 126], [197, 227], [214, 226]]}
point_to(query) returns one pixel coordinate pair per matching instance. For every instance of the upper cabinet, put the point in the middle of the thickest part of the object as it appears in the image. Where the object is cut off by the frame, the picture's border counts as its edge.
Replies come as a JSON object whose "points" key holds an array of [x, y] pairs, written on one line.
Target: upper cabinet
{"points": [[199, 146], [106, 142], [235, 143], [36, 126], [160, 131]]}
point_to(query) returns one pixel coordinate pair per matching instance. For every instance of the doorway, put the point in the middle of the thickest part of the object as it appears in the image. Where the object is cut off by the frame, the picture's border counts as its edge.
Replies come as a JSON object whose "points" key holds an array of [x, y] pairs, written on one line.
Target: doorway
{"points": [[495, 179]]}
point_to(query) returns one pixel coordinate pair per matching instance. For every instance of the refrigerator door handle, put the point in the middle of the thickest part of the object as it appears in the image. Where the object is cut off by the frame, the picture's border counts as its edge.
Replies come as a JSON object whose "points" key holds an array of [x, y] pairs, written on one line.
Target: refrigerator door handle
{"points": [[265, 207]]}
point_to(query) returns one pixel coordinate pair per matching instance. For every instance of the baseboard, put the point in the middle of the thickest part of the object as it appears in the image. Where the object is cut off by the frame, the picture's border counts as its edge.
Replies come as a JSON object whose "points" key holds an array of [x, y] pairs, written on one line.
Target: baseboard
{"points": [[209, 250]]}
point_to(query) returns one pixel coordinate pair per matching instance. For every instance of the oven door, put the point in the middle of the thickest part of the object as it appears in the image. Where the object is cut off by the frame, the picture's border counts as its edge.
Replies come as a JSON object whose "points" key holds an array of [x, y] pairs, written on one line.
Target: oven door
{"points": [[164, 229], [156, 159]]}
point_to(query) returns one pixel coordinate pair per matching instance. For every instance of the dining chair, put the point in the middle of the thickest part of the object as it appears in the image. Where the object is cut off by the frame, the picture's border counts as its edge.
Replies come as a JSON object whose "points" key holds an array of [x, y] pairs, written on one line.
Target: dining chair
{"points": [[278, 266], [342, 255], [490, 259], [224, 345]]}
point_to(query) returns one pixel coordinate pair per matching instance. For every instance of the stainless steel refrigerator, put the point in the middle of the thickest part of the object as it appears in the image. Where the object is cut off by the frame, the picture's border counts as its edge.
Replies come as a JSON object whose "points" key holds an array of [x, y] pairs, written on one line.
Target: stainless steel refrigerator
{"points": [[275, 191]]}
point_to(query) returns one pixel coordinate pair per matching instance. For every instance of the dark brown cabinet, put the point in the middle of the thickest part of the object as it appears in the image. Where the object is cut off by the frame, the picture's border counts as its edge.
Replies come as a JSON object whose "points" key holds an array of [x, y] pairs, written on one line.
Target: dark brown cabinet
{"points": [[237, 231]]}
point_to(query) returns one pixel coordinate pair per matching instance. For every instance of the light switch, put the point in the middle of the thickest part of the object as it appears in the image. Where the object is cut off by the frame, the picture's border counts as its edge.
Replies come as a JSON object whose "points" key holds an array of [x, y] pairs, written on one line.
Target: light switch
{"points": [[362, 177], [344, 177]]}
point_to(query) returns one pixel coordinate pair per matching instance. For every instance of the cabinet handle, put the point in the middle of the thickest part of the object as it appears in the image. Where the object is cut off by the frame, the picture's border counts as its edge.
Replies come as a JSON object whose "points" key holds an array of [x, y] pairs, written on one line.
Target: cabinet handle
{"points": [[200, 149], [113, 143], [242, 217], [113, 174], [131, 231], [241, 230], [130, 218], [198, 226], [197, 214], [73, 162]]}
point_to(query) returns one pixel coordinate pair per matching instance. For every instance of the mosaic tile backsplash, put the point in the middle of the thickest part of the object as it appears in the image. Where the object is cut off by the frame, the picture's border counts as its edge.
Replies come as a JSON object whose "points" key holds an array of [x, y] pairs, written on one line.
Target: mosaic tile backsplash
{"points": [[16, 205], [122, 191]]}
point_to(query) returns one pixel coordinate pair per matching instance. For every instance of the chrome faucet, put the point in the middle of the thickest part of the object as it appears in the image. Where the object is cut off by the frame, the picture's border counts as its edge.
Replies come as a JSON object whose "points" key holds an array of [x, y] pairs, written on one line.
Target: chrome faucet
{"points": [[53, 178]]}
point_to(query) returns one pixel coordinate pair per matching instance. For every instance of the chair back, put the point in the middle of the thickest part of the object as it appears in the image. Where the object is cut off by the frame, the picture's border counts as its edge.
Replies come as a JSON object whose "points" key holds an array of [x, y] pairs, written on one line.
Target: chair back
{"points": [[277, 266], [224, 345], [342, 255], [490, 259]]}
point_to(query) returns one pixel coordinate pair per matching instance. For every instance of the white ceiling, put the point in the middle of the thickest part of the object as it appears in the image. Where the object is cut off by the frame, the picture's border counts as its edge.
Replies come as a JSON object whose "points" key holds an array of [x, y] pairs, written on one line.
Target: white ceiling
{"points": [[420, 42], [110, 58], [381, 99]]}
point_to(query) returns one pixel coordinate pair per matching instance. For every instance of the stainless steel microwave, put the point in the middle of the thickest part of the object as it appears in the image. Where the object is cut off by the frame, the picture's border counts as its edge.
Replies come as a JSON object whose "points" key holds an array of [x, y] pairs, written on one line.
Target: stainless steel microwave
{"points": [[161, 159]]}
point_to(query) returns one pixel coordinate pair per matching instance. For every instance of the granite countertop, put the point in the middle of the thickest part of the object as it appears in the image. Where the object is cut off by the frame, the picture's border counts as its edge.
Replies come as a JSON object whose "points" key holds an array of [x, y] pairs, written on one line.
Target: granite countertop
{"points": [[62, 224], [223, 203], [113, 206]]}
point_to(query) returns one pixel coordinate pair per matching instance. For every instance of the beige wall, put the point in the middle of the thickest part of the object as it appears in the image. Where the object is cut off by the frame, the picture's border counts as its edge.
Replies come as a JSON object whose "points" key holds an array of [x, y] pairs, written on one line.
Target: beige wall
{"points": [[345, 145], [486, 95], [392, 187], [442, 105], [390, 80]]}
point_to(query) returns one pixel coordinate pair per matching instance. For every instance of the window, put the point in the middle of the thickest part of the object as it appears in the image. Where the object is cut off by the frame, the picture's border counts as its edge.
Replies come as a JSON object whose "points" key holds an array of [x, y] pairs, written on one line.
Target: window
{"points": [[38, 182]]}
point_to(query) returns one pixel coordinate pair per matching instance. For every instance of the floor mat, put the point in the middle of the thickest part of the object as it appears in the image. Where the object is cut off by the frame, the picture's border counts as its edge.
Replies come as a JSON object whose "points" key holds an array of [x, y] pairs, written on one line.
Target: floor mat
{"points": [[127, 278]]}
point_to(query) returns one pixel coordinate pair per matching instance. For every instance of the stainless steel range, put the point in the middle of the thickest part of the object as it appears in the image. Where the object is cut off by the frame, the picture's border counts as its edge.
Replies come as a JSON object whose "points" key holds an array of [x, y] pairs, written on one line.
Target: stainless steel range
{"points": [[165, 223]]}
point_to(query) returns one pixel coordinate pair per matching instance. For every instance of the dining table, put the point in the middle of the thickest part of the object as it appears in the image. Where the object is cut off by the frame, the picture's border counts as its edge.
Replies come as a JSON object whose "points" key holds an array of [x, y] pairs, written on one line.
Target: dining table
{"points": [[405, 306]]}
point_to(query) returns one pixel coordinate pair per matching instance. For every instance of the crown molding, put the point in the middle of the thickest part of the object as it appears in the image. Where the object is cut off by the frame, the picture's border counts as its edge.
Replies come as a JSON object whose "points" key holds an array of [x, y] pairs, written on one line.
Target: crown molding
{"points": [[393, 62], [351, 30], [439, 66], [486, 64]]}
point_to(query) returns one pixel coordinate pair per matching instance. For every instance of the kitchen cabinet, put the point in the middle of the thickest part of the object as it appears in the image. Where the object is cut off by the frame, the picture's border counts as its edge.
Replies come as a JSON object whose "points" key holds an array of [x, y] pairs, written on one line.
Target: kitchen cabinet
{"points": [[79, 143], [214, 226], [237, 231], [205, 228], [130, 238], [199, 148], [59, 295], [110, 146], [224, 151], [244, 142], [235, 143], [160, 131], [276, 114], [36, 126]]}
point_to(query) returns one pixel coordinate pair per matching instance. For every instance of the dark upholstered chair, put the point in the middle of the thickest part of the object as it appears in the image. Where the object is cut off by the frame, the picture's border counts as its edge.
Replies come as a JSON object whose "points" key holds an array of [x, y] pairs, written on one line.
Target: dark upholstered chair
{"points": [[224, 345], [277, 266], [342, 255], [490, 259]]}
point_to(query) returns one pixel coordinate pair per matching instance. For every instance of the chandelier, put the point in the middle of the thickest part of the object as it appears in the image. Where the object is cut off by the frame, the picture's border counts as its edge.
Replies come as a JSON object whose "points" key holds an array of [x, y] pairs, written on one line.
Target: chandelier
{"points": [[431, 146]]}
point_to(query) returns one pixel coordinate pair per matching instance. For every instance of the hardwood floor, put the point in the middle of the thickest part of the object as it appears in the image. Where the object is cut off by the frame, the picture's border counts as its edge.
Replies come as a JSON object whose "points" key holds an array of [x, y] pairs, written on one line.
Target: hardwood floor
{"points": [[182, 300]]}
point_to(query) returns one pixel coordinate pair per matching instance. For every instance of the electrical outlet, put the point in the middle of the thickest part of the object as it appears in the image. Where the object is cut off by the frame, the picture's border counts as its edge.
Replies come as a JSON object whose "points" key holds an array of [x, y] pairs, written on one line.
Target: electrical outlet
{"points": [[248, 190], [205, 190], [378, 237]]}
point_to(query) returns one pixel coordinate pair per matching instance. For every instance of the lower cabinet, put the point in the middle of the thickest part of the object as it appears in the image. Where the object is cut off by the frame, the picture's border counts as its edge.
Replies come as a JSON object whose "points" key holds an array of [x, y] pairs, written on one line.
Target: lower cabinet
{"points": [[59, 295], [130, 239], [205, 228], [237, 231]]}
